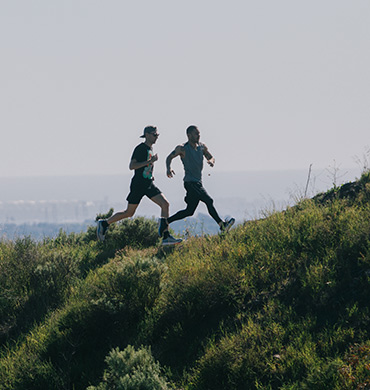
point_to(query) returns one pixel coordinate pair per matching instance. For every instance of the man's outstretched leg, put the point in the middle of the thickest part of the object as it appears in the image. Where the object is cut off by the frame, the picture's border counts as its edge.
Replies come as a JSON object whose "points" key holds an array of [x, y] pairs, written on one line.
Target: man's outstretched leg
{"points": [[103, 224], [224, 225], [204, 197], [192, 204]]}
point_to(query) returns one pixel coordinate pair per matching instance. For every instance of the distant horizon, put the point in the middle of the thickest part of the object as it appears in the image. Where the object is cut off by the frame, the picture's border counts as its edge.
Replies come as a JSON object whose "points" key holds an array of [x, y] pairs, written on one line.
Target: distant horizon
{"points": [[127, 172], [249, 185], [76, 198]]}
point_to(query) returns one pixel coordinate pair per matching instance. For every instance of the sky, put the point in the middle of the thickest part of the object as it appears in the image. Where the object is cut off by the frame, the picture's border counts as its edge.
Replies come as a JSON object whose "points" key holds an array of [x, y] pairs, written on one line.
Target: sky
{"points": [[271, 85]]}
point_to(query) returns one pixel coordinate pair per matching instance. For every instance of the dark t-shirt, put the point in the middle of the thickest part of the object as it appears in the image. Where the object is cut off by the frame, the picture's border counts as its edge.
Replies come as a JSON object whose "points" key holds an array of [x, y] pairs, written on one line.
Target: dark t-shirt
{"points": [[142, 153]]}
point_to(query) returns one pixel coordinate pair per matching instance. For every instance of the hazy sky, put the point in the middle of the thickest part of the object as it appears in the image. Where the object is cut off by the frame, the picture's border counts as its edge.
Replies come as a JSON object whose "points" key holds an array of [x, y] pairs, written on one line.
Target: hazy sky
{"points": [[270, 84]]}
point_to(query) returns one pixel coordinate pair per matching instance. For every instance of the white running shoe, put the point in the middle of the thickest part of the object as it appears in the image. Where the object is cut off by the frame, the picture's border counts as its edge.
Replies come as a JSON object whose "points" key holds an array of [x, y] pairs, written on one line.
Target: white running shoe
{"points": [[171, 241]]}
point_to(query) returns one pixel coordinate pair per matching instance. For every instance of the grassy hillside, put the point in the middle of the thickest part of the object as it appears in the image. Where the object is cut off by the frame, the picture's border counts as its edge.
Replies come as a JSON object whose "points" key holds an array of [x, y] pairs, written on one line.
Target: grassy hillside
{"points": [[277, 303]]}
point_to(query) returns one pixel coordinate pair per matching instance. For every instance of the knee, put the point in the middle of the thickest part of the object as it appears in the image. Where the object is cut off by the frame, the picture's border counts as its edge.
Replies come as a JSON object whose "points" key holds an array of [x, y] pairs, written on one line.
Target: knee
{"points": [[190, 212], [209, 202], [129, 213]]}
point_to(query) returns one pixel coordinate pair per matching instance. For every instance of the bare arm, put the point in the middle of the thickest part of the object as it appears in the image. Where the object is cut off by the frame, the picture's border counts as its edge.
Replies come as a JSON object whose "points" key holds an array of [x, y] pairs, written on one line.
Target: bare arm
{"points": [[210, 159], [178, 151], [137, 165]]}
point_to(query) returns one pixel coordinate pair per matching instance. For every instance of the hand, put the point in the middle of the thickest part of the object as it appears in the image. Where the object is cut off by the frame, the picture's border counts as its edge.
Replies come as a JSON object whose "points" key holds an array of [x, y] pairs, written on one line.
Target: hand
{"points": [[153, 159], [211, 162], [170, 173]]}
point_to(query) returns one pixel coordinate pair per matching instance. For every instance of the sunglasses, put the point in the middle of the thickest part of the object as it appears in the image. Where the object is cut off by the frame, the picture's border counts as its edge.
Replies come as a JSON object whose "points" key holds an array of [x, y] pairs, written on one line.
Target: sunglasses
{"points": [[155, 134]]}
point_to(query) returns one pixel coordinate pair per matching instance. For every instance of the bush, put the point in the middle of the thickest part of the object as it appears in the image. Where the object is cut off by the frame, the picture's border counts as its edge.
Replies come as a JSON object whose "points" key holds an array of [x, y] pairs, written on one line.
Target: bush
{"points": [[355, 372], [34, 281], [131, 370], [104, 311], [274, 304], [136, 233], [27, 371], [198, 291]]}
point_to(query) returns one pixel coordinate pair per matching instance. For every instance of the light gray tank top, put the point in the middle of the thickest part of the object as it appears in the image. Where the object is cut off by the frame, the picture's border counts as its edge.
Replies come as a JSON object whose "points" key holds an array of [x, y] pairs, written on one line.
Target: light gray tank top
{"points": [[193, 162]]}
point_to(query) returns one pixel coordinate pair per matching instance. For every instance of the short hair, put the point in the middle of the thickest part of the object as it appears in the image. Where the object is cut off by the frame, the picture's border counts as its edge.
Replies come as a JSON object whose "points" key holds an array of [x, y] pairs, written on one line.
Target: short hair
{"points": [[190, 129]]}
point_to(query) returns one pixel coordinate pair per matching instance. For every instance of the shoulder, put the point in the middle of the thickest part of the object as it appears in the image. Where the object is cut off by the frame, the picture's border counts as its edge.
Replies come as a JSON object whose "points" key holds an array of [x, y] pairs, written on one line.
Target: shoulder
{"points": [[179, 149], [141, 148], [203, 146]]}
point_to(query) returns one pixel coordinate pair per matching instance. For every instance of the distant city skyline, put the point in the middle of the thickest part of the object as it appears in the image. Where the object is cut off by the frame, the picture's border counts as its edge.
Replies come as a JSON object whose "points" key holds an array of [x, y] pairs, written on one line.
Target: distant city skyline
{"points": [[271, 85], [78, 198]]}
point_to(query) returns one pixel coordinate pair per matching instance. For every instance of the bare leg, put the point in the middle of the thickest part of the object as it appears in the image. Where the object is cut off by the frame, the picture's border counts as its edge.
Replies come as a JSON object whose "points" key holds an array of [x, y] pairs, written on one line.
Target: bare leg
{"points": [[162, 202], [129, 212]]}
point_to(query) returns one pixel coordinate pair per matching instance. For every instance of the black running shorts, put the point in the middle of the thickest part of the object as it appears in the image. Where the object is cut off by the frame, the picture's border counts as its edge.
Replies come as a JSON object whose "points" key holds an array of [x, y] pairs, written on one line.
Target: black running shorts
{"points": [[138, 190], [195, 192]]}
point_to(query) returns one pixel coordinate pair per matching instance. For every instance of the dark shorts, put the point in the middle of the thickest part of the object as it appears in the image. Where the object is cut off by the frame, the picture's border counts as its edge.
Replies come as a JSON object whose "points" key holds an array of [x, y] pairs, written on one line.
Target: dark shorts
{"points": [[195, 192], [139, 190]]}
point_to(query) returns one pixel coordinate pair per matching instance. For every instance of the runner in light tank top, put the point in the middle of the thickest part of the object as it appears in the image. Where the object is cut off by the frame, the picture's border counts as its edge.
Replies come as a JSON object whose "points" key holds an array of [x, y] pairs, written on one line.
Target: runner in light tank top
{"points": [[193, 162], [192, 154]]}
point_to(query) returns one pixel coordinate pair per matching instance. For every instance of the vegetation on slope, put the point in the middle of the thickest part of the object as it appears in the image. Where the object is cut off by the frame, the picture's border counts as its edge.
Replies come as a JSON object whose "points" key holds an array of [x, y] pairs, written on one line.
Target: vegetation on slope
{"points": [[277, 303]]}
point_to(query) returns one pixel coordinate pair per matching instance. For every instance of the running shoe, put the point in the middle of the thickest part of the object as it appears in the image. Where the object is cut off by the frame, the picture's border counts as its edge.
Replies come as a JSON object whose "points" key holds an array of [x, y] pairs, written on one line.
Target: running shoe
{"points": [[163, 225], [225, 226], [171, 241], [101, 229]]}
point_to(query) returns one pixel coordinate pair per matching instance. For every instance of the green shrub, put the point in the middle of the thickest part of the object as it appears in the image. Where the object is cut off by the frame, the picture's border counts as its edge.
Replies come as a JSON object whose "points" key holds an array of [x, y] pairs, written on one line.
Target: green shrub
{"points": [[197, 293], [104, 311], [36, 278], [274, 304], [131, 370], [270, 351], [34, 281], [355, 370], [138, 232], [29, 372]]}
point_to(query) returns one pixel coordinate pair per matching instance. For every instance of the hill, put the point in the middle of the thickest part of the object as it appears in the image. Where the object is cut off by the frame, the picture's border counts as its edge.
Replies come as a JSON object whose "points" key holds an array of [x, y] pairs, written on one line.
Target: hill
{"points": [[278, 303]]}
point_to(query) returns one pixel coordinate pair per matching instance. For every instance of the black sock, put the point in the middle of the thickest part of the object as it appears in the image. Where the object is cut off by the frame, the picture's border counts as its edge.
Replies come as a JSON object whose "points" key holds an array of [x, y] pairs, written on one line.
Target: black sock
{"points": [[165, 234]]}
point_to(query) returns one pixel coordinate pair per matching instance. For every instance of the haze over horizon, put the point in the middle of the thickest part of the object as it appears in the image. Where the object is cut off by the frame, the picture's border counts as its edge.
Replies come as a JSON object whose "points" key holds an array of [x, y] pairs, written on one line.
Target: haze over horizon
{"points": [[60, 202], [271, 85]]}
